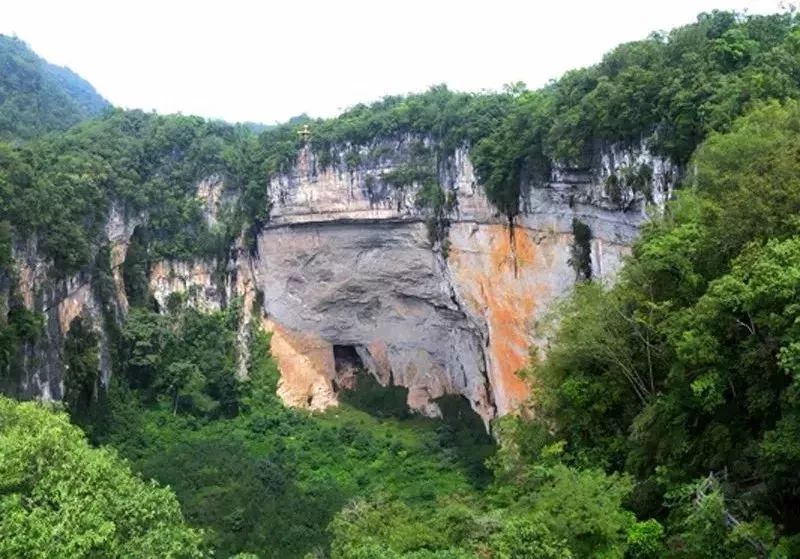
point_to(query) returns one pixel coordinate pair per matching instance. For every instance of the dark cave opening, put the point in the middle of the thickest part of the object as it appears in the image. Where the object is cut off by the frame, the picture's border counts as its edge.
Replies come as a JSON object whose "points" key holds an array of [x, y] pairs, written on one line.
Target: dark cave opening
{"points": [[359, 388], [346, 359]]}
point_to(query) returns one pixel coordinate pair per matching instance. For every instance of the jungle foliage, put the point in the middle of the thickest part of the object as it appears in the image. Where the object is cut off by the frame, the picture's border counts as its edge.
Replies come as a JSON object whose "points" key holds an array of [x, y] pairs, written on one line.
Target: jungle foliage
{"points": [[687, 365], [59, 497], [254, 475], [666, 405], [667, 92]]}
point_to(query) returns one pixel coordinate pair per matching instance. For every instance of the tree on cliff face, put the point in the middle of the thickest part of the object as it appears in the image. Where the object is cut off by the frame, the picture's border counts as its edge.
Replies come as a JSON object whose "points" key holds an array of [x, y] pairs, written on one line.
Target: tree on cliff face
{"points": [[82, 363], [512, 156], [61, 498]]}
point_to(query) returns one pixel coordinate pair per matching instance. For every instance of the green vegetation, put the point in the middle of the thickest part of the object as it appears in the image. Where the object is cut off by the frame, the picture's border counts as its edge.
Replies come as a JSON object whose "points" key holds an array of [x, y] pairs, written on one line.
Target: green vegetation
{"points": [[366, 479], [669, 91], [667, 409], [581, 257], [61, 498], [60, 188], [449, 119], [438, 204], [549, 510], [20, 325], [37, 97], [257, 476], [687, 365], [81, 363]]}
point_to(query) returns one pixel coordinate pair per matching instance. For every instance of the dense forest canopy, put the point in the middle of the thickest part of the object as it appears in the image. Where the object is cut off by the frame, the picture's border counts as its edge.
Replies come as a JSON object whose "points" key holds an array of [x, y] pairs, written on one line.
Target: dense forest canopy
{"points": [[255, 475], [666, 410]]}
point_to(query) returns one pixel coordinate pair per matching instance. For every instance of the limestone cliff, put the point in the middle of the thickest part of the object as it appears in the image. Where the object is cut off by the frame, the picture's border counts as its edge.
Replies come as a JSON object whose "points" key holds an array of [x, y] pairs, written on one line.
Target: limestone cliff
{"points": [[59, 300], [196, 280], [347, 261], [354, 266]]}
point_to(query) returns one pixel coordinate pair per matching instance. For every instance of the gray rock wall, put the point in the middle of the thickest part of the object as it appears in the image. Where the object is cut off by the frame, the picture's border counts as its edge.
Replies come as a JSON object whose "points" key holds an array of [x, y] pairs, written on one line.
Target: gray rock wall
{"points": [[347, 259], [347, 264]]}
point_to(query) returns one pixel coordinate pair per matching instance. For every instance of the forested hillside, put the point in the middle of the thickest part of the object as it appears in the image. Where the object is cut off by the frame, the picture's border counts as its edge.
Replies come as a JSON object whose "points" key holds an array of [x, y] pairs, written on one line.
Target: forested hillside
{"points": [[664, 420], [38, 97]]}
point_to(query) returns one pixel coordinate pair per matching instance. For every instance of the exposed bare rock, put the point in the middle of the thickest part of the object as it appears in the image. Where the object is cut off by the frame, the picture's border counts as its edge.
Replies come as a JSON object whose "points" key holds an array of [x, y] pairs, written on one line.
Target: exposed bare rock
{"points": [[209, 192], [348, 265], [306, 363], [119, 229], [378, 286], [347, 260], [196, 280], [59, 301]]}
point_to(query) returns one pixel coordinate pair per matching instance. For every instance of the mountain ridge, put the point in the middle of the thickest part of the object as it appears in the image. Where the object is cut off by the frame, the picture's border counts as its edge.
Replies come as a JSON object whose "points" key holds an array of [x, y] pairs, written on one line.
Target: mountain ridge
{"points": [[37, 97]]}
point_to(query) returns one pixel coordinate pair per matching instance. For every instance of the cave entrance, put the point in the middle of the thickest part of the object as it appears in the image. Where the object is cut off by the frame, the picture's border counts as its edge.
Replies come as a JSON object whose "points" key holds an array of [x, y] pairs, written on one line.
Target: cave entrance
{"points": [[460, 435], [346, 359], [360, 389]]}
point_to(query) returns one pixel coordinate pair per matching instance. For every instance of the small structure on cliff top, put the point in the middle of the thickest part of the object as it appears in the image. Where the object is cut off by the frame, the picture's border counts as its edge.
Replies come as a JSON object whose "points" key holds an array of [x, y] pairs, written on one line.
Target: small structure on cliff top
{"points": [[304, 133]]}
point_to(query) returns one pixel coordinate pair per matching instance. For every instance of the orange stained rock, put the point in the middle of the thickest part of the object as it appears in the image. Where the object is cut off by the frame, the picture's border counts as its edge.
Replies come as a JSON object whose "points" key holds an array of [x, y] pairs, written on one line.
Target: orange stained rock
{"points": [[72, 306], [379, 354], [306, 365], [26, 283], [503, 277]]}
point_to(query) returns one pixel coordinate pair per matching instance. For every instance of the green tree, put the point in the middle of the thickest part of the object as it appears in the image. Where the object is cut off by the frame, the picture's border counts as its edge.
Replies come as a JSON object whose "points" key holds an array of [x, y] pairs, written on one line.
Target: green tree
{"points": [[527, 538], [584, 509], [687, 365], [61, 498], [81, 366]]}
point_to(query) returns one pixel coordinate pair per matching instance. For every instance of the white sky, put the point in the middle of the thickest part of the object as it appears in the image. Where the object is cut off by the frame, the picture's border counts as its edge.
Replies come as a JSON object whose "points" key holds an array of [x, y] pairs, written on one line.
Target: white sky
{"points": [[266, 61]]}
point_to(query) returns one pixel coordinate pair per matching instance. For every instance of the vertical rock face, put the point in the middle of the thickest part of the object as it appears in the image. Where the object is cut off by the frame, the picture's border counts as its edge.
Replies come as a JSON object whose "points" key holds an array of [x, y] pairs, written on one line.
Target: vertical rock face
{"points": [[59, 302], [376, 286], [210, 191], [352, 270], [196, 280], [313, 193], [119, 231], [348, 262], [506, 279], [307, 364]]}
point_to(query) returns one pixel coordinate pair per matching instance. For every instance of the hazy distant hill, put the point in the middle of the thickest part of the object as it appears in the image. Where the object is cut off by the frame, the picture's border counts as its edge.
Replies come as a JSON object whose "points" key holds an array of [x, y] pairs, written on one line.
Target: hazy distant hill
{"points": [[38, 97]]}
